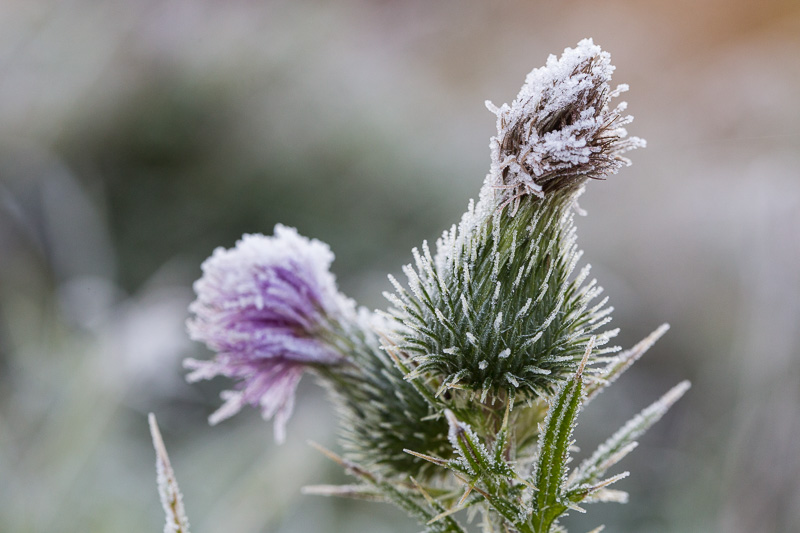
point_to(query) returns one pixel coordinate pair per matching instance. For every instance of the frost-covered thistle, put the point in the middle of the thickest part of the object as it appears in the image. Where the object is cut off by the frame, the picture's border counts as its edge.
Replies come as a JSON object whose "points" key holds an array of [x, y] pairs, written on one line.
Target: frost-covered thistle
{"points": [[498, 308], [270, 309], [466, 393]]}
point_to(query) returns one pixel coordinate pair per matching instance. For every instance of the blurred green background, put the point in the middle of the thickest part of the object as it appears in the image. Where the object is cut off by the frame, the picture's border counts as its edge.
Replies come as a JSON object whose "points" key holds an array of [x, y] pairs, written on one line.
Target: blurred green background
{"points": [[137, 136]]}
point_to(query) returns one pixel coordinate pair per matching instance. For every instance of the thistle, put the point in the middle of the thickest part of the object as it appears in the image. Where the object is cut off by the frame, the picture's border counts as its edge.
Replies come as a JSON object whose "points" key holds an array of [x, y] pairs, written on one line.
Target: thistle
{"points": [[498, 310], [466, 392]]}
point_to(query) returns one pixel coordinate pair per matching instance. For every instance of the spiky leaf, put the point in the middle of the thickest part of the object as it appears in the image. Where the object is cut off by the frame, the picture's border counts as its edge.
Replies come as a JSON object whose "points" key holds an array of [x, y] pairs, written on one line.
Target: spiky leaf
{"points": [[168, 490], [551, 465]]}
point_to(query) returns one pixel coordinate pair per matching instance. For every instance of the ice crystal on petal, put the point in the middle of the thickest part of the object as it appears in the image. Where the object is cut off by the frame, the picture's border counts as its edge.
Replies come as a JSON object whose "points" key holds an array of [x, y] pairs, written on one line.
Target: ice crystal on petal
{"points": [[560, 130], [267, 307]]}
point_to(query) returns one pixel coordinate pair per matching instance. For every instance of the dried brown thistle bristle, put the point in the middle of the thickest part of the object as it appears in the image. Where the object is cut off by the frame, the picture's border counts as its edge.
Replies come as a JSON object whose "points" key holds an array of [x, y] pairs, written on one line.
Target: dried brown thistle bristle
{"points": [[560, 130]]}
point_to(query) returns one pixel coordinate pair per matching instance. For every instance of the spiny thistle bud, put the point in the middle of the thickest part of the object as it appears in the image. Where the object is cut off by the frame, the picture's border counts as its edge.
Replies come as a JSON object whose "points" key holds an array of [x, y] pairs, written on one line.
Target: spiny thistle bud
{"points": [[499, 309], [383, 413], [560, 130], [269, 307], [503, 311]]}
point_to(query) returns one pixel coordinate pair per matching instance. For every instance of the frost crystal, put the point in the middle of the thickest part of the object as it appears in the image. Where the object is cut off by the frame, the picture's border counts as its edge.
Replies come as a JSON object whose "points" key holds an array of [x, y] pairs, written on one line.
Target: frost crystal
{"points": [[560, 130], [268, 308]]}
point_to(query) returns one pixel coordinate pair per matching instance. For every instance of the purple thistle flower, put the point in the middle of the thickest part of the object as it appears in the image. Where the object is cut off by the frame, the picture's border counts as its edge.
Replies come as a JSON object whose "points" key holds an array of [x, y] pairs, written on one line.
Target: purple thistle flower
{"points": [[268, 307], [560, 130]]}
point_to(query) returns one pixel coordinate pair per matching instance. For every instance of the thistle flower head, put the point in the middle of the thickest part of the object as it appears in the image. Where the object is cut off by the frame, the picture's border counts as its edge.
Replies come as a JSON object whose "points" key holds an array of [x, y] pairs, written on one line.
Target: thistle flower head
{"points": [[560, 130], [268, 307]]}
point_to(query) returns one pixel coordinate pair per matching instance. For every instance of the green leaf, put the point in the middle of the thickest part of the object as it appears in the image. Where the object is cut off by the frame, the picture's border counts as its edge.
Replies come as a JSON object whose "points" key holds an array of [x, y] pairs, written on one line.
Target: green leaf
{"points": [[468, 446], [554, 443], [499, 465]]}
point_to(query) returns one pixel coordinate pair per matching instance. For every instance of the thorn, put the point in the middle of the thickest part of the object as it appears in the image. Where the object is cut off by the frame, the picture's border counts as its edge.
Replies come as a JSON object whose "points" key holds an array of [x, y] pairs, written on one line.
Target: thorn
{"points": [[429, 458], [443, 515], [327, 453], [505, 416], [575, 507], [422, 491], [476, 489], [609, 481], [356, 492], [525, 482], [170, 494], [414, 374], [391, 352], [645, 344], [675, 393], [344, 463], [589, 348], [466, 494], [452, 420]]}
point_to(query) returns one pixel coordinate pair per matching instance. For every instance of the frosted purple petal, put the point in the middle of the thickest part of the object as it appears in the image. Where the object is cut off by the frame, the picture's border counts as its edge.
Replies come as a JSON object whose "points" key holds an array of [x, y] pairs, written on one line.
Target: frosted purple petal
{"points": [[265, 307]]}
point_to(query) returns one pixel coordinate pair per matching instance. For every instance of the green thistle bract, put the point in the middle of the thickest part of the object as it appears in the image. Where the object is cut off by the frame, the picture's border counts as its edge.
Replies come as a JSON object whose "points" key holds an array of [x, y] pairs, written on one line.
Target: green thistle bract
{"points": [[502, 310]]}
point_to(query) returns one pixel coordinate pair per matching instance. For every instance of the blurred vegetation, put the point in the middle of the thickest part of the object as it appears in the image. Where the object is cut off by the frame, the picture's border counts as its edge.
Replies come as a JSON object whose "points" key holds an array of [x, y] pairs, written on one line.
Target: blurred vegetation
{"points": [[136, 137]]}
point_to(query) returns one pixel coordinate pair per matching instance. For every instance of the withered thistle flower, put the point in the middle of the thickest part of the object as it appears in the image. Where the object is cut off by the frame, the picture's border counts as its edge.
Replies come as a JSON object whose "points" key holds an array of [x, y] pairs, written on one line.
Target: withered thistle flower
{"points": [[560, 130], [268, 307]]}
